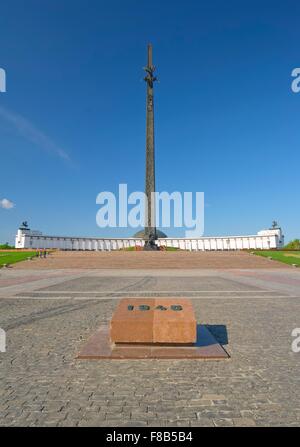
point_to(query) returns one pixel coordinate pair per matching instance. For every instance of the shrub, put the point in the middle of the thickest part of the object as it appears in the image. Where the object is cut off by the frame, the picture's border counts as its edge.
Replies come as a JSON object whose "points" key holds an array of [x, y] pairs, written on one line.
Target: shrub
{"points": [[6, 246]]}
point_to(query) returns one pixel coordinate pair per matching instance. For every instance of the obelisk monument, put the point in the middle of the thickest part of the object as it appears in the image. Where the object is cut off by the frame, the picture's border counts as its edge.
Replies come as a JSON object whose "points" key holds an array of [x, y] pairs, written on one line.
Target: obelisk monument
{"points": [[150, 228]]}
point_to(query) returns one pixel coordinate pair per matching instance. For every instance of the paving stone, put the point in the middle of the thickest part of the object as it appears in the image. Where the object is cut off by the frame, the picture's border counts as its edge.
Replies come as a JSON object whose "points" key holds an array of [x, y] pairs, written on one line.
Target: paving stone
{"points": [[244, 422], [213, 397], [223, 422]]}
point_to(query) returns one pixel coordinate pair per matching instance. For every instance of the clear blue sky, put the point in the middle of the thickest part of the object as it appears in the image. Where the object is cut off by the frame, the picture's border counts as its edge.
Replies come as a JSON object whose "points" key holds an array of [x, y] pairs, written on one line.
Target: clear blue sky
{"points": [[72, 122]]}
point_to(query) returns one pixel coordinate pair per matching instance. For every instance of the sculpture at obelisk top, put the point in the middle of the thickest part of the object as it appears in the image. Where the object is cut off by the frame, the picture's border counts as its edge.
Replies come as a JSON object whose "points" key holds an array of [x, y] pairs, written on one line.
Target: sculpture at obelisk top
{"points": [[150, 228]]}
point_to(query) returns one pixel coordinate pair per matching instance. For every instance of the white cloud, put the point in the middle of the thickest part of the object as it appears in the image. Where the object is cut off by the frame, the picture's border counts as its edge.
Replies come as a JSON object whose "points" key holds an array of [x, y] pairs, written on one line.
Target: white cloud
{"points": [[32, 133], [6, 204]]}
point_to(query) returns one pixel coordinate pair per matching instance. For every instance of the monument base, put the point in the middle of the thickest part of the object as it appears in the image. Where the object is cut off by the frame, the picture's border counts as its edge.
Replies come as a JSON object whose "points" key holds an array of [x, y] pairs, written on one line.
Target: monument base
{"points": [[150, 245], [99, 347]]}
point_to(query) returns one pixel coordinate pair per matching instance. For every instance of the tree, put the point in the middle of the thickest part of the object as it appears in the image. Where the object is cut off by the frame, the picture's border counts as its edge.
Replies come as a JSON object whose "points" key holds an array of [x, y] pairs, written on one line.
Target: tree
{"points": [[293, 245]]}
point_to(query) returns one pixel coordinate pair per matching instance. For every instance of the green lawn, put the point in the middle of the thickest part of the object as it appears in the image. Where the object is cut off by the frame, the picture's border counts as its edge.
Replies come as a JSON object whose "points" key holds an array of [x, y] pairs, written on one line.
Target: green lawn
{"points": [[10, 257], [288, 257]]}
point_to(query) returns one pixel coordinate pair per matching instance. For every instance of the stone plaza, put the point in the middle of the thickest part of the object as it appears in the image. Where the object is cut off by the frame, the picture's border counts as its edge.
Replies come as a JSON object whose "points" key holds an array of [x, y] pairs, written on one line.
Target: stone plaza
{"points": [[50, 307]]}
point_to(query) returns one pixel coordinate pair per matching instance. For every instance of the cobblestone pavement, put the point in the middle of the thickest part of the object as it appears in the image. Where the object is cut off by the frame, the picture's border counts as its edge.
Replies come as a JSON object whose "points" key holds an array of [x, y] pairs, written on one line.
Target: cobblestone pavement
{"points": [[49, 314]]}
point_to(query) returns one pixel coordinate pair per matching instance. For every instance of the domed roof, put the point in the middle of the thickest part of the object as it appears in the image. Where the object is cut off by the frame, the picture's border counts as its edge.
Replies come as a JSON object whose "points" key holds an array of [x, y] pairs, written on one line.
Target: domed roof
{"points": [[141, 234]]}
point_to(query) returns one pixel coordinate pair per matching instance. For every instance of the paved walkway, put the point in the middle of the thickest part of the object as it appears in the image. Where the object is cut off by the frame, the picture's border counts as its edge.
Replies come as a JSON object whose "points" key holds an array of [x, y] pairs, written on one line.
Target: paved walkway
{"points": [[48, 314]]}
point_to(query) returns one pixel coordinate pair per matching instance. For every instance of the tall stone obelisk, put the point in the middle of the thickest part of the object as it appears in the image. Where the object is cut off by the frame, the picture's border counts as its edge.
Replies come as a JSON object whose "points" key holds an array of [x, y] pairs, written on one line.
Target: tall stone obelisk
{"points": [[150, 228]]}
